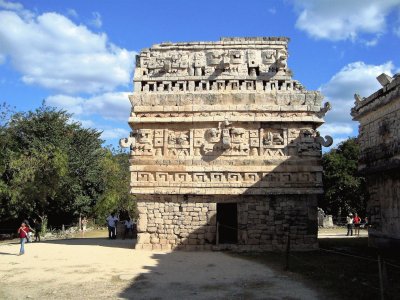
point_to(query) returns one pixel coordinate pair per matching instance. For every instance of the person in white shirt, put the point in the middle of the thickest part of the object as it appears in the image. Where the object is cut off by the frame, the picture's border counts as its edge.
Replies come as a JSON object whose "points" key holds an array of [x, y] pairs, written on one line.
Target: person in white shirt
{"points": [[112, 226], [128, 227], [350, 225]]}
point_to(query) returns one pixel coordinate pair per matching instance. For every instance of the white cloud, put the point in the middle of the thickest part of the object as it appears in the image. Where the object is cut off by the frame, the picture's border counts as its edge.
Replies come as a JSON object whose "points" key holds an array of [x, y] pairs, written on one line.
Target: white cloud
{"points": [[96, 20], [272, 10], [356, 77], [51, 51], [114, 107], [372, 43], [17, 7], [72, 12], [337, 141], [114, 133], [343, 19], [11, 5], [396, 26], [396, 31], [110, 106], [107, 132], [336, 129], [86, 123]]}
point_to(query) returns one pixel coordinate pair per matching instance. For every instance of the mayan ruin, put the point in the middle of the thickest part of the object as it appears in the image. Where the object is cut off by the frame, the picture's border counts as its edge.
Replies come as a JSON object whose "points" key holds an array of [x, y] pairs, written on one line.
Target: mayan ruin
{"points": [[379, 137], [224, 147]]}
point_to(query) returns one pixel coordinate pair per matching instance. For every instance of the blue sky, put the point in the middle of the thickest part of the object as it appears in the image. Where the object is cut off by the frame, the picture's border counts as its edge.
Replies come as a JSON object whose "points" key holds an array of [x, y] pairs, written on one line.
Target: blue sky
{"points": [[79, 55]]}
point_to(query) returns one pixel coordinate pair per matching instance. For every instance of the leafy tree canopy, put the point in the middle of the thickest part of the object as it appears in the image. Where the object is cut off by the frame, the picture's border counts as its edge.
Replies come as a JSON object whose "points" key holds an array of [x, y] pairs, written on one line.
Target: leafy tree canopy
{"points": [[345, 189], [116, 196], [46, 154], [52, 167]]}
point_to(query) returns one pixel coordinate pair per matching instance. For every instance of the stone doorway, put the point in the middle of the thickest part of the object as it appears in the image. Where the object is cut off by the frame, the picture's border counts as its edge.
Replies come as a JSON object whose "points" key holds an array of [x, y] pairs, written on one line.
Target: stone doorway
{"points": [[227, 223]]}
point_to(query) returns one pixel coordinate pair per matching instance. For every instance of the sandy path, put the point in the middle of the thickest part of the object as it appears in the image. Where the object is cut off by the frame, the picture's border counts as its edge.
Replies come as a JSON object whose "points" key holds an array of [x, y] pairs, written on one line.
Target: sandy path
{"points": [[96, 268]]}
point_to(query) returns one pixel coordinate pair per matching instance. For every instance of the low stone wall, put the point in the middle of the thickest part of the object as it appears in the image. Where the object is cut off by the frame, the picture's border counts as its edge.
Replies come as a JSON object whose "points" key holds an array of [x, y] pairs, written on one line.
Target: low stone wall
{"points": [[190, 222]]}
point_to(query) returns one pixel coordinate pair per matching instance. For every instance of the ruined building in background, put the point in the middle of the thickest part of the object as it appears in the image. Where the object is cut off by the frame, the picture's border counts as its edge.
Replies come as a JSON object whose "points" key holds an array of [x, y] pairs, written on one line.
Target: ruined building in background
{"points": [[224, 147], [379, 138]]}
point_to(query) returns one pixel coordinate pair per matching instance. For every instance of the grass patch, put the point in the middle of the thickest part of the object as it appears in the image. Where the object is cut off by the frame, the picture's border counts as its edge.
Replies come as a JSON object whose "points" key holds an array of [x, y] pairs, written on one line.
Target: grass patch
{"points": [[335, 275]]}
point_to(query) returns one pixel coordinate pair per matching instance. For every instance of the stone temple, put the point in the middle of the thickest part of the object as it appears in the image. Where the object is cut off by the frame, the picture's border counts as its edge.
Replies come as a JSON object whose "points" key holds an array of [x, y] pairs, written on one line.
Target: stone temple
{"points": [[379, 138], [224, 150]]}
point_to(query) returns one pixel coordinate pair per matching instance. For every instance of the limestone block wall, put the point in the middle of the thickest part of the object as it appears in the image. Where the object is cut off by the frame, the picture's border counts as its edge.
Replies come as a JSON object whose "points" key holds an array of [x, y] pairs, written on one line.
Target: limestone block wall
{"points": [[379, 138], [190, 222], [384, 207]]}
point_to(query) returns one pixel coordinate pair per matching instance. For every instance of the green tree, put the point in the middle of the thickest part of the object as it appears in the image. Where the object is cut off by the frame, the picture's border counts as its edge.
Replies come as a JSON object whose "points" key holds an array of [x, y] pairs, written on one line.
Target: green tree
{"points": [[345, 189], [50, 166], [5, 113], [116, 196]]}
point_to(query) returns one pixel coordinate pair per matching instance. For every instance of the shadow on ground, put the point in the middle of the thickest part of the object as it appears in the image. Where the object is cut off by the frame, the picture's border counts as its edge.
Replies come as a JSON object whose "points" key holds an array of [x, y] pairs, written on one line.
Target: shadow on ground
{"points": [[211, 275], [103, 242]]}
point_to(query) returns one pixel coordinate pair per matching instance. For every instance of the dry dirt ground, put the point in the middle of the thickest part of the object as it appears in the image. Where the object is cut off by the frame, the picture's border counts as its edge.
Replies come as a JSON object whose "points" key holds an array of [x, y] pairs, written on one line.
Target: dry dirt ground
{"points": [[340, 232], [97, 268]]}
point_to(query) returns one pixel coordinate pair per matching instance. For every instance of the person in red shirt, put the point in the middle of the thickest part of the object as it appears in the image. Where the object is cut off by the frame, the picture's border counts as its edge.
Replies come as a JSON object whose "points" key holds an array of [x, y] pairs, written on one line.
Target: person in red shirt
{"points": [[23, 235], [356, 221]]}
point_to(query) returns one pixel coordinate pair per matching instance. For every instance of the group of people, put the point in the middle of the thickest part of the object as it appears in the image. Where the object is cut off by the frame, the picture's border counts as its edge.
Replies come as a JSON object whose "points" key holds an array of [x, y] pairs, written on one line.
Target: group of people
{"points": [[25, 230], [24, 233], [112, 221], [354, 222]]}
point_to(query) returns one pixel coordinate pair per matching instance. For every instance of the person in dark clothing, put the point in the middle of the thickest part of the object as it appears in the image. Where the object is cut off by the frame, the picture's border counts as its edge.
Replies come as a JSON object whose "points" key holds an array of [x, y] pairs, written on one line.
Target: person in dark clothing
{"points": [[128, 227], [37, 229]]}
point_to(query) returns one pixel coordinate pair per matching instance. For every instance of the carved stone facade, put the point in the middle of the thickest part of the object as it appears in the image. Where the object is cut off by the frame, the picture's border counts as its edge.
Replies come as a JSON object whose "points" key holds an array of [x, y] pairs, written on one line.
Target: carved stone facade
{"points": [[224, 122], [379, 138]]}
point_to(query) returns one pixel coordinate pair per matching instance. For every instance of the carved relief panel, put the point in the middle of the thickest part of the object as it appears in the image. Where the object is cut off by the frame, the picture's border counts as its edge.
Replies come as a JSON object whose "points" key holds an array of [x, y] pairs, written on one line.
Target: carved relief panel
{"points": [[227, 141], [178, 143], [144, 142], [171, 63], [273, 141], [211, 62], [245, 179], [305, 142]]}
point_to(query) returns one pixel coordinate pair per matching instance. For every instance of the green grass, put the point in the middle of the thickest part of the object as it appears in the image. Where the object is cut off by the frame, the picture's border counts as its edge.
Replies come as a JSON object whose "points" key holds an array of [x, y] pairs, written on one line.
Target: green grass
{"points": [[337, 276]]}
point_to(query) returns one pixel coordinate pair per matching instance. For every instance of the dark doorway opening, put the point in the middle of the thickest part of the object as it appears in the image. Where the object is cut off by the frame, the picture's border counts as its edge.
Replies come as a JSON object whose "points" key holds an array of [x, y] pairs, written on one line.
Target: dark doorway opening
{"points": [[227, 223]]}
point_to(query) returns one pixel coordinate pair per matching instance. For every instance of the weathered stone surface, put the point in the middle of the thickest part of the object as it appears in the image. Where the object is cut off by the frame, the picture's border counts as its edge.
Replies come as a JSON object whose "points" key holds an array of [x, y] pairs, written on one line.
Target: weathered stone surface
{"points": [[143, 238], [379, 138], [216, 122]]}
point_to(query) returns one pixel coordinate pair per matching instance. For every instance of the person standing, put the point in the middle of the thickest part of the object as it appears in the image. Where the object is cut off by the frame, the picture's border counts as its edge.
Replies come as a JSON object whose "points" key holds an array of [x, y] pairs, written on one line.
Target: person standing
{"points": [[112, 223], [356, 221], [84, 226], [128, 227], [30, 230], [366, 222], [350, 224], [38, 229], [23, 231]]}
